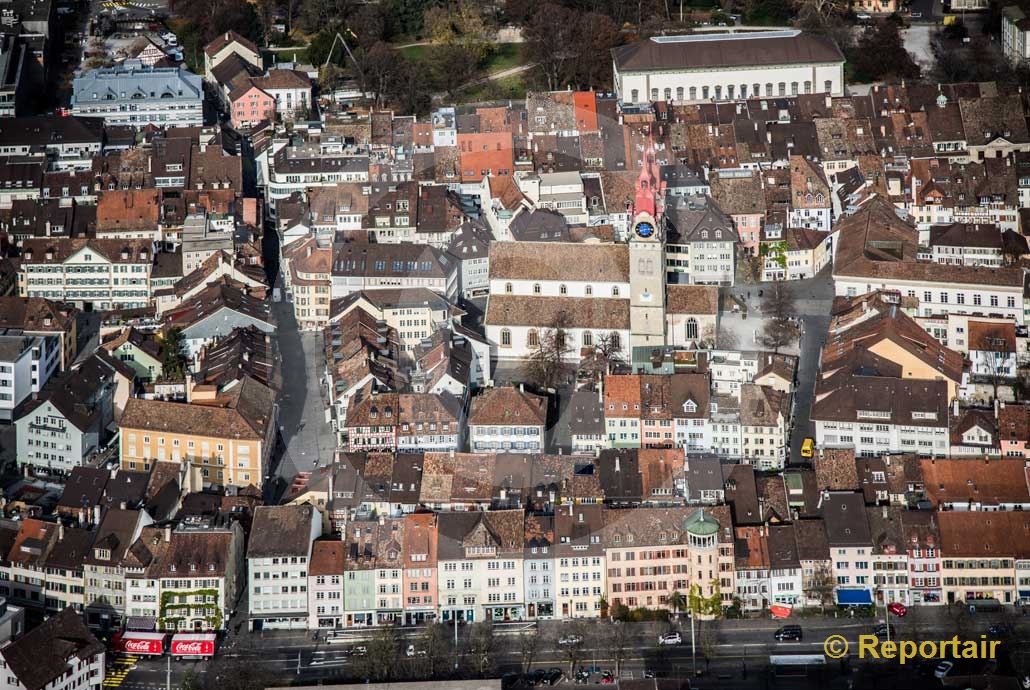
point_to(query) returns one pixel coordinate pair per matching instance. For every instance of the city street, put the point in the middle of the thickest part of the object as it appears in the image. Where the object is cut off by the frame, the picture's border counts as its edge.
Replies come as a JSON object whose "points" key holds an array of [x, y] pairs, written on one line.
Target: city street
{"points": [[308, 439], [737, 650], [813, 300]]}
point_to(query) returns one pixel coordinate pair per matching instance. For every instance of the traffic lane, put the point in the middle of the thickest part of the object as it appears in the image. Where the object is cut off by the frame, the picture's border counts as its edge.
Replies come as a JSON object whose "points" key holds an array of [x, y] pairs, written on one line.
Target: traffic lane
{"points": [[758, 630], [152, 672]]}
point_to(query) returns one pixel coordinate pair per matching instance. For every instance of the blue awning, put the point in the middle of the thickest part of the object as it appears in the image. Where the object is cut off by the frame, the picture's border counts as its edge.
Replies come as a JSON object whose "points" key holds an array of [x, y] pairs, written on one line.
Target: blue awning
{"points": [[1024, 594], [854, 597]]}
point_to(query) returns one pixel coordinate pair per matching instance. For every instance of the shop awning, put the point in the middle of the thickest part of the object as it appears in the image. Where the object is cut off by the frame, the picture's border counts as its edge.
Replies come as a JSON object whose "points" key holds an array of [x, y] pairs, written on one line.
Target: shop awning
{"points": [[193, 644], [142, 643], [854, 597]]}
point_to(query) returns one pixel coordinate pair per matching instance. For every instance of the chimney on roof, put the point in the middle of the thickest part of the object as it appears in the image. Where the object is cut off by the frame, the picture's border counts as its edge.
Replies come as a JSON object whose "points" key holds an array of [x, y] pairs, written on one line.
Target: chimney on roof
{"points": [[82, 517], [883, 512], [60, 531], [954, 408], [96, 515], [997, 408], [168, 535]]}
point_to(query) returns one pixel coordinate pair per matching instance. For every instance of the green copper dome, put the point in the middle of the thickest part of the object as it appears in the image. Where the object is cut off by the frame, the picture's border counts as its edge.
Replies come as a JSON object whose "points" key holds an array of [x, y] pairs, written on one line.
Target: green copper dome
{"points": [[701, 525]]}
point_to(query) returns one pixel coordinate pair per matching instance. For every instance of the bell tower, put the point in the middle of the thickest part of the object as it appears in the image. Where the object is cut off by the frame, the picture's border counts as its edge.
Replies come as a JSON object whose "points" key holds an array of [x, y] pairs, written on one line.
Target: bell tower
{"points": [[647, 257]]}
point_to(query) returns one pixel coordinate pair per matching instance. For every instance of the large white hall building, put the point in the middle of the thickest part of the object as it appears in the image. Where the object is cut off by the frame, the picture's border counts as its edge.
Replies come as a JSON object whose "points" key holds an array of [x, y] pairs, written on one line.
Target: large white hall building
{"points": [[727, 67]]}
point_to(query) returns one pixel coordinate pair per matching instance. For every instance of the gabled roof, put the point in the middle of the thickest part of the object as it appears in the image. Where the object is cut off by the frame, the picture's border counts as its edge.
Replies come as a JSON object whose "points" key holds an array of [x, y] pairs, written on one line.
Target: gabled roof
{"points": [[559, 261], [281, 531], [894, 326], [246, 413], [49, 651], [990, 481], [223, 39], [508, 405]]}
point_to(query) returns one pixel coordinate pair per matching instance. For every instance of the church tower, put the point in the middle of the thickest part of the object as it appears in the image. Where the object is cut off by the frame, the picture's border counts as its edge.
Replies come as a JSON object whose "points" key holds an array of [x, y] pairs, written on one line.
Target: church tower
{"points": [[647, 258]]}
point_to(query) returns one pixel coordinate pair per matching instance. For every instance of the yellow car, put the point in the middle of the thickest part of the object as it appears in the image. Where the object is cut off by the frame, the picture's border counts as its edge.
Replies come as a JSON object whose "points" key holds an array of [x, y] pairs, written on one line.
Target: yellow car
{"points": [[808, 448]]}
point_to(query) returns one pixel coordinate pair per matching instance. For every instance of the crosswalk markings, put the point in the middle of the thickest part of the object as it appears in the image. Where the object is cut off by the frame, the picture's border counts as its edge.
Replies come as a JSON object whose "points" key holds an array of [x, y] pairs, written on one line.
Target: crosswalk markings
{"points": [[120, 669], [120, 4]]}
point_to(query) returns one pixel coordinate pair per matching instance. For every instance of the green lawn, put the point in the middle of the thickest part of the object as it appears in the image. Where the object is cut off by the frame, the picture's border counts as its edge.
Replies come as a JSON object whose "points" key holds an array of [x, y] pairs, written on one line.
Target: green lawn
{"points": [[415, 52], [506, 56], [513, 87]]}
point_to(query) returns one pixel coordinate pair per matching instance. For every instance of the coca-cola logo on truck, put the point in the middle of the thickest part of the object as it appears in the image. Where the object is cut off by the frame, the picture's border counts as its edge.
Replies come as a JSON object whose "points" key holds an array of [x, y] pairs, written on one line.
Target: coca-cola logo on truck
{"points": [[142, 646], [193, 648]]}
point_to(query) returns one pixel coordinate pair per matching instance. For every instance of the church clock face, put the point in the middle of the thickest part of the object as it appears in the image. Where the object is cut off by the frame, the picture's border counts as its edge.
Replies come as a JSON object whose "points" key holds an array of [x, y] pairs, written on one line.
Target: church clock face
{"points": [[644, 229]]}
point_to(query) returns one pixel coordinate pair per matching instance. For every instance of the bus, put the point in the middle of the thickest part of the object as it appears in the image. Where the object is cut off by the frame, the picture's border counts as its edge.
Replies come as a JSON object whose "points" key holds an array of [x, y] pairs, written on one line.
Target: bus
{"points": [[808, 447]]}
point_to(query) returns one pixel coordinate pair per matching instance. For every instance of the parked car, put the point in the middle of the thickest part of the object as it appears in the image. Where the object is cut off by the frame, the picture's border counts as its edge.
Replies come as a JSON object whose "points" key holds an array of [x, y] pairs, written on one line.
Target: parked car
{"points": [[648, 673], [570, 639], [582, 676], [360, 650], [553, 676], [885, 630], [1001, 630], [899, 610], [411, 651], [790, 633], [536, 677], [607, 678], [863, 17], [670, 639], [943, 669]]}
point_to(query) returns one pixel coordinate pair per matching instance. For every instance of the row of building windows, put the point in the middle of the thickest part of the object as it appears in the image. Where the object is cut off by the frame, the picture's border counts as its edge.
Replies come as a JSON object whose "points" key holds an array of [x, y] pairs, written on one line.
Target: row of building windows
{"points": [[732, 92]]}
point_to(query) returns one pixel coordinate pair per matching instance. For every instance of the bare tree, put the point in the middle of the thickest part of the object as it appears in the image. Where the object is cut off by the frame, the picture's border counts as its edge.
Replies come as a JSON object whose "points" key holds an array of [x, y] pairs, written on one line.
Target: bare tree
{"points": [[546, 366], [604, 358], [819, 11], [722, 340], [529, 644], [574, 633], [751, 268], [618, 643], [777, 333], [237, 672], [961, 619], [481, 648], [380, 660], [822, 587], [913, 623], [994, 349], [778, 301], [708, 642], [609, 348], [434, 650]]}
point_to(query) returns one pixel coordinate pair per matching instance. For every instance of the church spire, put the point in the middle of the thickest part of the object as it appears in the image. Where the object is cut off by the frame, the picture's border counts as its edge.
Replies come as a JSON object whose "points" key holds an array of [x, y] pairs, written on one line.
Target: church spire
{"points": [[649, 184]]}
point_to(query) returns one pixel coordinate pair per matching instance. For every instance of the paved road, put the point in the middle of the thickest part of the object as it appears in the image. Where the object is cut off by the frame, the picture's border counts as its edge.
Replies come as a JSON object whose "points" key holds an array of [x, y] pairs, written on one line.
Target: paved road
{"points": [[813, 299], [739, 649], [308, 439]]}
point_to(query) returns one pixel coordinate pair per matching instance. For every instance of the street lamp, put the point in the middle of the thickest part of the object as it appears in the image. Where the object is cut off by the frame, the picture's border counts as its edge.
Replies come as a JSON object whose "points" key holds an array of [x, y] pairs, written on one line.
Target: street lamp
{"points": [[693, 646]]}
